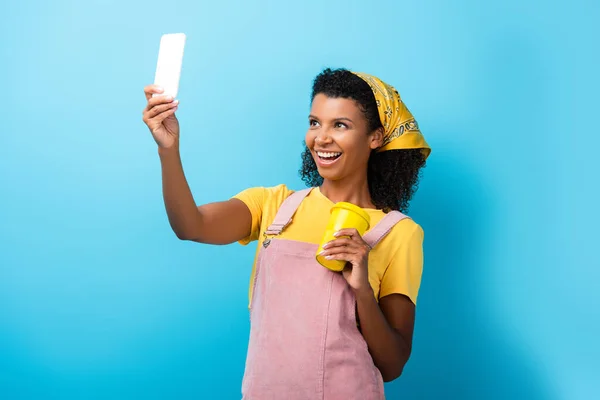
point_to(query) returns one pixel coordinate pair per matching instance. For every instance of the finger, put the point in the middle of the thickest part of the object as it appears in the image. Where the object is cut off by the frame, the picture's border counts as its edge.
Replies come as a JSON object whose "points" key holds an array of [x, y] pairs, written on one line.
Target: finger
{"points": [[351, 232], [162, 116], [353, 249], [151, 89], [348, 257], [341, 242], [148, 115], [156, 122], [158, 100], [154, 111], [353, 235]]}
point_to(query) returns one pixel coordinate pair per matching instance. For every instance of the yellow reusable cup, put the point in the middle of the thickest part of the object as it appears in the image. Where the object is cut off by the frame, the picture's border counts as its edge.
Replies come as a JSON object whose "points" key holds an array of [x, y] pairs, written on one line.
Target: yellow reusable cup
{"points": [[343, 215]]}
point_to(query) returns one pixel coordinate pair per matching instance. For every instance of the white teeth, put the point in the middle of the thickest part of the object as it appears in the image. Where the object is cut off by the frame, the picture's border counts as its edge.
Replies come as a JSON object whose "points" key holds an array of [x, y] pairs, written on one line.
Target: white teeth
{"points": [[327, 155]]}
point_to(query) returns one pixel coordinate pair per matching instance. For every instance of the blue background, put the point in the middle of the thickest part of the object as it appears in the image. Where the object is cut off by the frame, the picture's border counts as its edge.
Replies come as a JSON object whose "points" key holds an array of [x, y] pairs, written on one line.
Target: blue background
{"points": [[99, 300]]}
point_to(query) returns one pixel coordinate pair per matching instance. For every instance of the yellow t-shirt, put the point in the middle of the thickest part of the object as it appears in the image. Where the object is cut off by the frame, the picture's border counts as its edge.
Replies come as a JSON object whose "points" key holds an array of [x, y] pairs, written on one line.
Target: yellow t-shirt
{"points": [[395, 264]]}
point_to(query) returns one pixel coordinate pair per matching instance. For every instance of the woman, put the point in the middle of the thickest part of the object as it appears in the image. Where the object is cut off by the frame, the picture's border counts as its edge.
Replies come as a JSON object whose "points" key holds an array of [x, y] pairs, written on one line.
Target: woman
{"points": [[317, 334]]}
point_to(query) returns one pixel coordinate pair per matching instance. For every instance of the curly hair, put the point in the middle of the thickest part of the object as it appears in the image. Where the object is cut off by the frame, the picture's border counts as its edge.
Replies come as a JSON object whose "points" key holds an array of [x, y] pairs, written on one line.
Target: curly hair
{"points": [[393, 175]]}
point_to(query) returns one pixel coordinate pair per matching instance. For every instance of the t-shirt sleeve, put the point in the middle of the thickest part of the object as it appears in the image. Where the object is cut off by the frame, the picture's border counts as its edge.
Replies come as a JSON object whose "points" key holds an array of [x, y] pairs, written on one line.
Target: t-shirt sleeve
{"points": [[254, 198], [403, 274]]}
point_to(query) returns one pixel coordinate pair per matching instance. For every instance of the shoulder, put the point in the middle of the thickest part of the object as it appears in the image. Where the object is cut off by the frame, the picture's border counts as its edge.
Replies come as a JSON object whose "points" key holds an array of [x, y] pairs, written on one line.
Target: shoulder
{"points": [[405, 233], [274, 196], [279, 193], [408, 226], [265, 196]]}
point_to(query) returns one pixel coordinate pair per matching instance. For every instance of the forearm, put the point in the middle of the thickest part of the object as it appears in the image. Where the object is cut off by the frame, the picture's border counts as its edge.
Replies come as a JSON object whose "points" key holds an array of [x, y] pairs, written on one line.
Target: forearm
{"points": [[390, 351], [183, 214]]}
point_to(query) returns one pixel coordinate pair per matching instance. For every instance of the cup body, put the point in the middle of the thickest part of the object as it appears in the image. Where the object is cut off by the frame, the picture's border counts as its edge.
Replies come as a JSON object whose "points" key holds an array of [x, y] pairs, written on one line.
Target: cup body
{"points": [[343, 215]]}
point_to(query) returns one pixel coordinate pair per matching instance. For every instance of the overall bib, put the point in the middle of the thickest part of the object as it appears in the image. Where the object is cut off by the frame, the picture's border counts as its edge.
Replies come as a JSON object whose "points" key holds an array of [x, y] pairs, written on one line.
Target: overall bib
{"points": [[304, 340]]}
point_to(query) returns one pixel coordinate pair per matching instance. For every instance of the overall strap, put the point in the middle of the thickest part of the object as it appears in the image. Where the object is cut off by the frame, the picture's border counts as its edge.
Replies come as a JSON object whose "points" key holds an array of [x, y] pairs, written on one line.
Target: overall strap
{"points": [[286, 211], [384, 227]]}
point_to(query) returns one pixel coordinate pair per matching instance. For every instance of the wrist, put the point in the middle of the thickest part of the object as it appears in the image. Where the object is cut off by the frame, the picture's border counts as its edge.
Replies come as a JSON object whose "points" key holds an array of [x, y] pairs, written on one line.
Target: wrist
{"points": [[168, 151], [364, 293]]}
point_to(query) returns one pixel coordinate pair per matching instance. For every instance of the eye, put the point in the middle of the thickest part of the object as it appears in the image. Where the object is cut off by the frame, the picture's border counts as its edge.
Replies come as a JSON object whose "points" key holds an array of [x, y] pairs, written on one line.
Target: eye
{"points": [[313, 123], [340, 125]]}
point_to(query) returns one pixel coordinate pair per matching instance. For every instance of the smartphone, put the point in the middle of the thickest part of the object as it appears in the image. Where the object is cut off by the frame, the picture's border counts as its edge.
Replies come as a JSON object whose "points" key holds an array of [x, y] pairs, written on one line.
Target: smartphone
{"points": [[168, 67]]}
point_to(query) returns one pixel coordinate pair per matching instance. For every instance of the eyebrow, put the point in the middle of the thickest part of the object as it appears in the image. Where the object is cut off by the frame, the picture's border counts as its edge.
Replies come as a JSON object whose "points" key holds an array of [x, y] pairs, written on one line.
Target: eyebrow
{"points": [[335, 119]]}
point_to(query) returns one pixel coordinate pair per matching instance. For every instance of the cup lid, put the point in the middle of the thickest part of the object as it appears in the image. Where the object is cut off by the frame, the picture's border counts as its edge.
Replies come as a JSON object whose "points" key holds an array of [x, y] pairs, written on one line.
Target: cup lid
{"points": [[353, 208]]}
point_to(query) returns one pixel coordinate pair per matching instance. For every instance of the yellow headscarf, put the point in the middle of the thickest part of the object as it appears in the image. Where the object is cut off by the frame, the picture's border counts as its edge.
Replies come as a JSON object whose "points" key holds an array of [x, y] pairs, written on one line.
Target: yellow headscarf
{"points": [[401, 130]]}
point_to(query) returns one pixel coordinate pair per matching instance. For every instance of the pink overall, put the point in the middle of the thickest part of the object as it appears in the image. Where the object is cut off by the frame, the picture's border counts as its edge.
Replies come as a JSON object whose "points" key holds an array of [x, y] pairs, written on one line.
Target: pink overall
{"points": [[304, 341]]}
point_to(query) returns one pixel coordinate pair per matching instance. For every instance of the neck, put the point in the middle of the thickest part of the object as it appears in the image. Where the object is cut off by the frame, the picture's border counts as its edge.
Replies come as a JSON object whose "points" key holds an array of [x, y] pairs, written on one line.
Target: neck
{"points": [[351, 190]]}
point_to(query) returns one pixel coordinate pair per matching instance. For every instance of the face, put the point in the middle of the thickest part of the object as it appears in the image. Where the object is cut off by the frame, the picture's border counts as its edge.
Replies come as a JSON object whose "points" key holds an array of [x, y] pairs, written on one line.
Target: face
{"points": [[339, 138]]}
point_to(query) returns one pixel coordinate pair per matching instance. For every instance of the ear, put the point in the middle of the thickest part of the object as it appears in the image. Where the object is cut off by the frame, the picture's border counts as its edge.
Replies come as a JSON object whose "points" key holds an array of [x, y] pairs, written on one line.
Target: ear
{"points": [[376, 138]]}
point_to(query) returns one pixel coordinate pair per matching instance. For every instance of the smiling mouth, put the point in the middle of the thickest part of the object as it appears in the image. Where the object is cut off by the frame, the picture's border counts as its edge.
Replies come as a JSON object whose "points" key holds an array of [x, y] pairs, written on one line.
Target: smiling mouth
{"points": [[328, 156]]}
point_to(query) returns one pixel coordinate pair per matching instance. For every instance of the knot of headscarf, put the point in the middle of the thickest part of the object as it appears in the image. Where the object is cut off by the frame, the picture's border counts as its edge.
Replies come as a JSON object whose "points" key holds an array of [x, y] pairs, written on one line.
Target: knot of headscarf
{"points": [[401, 130]]}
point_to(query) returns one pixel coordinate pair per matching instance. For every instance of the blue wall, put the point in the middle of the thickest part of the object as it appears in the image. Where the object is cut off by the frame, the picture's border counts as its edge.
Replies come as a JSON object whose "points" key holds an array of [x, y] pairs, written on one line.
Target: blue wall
{"points": [[99, 300]]}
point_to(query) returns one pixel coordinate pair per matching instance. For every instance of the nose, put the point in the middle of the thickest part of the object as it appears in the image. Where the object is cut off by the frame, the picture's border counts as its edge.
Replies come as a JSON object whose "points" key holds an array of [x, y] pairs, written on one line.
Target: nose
{"points": [[323, 137]]}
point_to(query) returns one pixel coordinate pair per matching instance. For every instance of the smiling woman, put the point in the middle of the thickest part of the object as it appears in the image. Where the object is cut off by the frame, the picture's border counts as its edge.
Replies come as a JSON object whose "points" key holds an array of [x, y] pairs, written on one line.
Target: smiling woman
{"points": [[392, 176], [316, 333], [340, 140]]}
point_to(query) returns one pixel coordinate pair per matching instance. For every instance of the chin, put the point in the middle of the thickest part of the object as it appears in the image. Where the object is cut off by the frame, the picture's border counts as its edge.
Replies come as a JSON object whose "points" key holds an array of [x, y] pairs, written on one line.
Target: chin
{"points": [[329, 175]]}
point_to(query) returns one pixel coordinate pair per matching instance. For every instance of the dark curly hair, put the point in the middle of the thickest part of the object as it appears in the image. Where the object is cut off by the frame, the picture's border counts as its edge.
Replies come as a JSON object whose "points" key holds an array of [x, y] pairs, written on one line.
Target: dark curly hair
{"points": [[393, 175]]}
